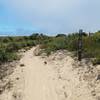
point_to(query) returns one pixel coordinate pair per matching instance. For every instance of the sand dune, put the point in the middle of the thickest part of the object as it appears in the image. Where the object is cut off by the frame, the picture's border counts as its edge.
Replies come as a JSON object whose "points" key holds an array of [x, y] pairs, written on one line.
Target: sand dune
{"points": [[57, 77]]}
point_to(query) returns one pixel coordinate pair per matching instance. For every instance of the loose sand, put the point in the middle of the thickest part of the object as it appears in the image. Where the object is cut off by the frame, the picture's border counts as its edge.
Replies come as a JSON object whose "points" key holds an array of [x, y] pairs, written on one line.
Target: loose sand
{"points": [[57, 77]]}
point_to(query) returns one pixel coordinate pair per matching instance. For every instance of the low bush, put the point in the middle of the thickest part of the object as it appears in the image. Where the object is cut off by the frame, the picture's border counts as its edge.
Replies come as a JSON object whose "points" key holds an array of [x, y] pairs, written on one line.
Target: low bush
{"points": [[7, 56]]}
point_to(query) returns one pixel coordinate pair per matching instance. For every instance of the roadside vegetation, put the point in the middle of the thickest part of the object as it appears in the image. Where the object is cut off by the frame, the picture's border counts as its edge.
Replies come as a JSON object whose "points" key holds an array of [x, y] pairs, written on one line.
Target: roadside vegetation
{"points": [[91, 45], [9, 46]]}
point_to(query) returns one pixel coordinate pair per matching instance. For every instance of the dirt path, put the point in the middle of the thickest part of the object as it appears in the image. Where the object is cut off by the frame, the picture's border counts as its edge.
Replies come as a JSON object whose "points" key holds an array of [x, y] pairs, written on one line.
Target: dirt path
{"points": [[38, 85]]}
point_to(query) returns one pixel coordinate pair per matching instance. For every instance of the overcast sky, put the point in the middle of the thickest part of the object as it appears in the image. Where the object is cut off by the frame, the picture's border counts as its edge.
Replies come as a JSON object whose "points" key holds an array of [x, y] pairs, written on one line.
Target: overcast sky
{"points": [[23, 17]]}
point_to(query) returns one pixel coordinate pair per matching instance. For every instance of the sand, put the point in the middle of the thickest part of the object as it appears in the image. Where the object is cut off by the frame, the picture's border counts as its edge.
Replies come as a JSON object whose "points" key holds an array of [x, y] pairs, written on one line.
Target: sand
{"points": [[57, 77]]}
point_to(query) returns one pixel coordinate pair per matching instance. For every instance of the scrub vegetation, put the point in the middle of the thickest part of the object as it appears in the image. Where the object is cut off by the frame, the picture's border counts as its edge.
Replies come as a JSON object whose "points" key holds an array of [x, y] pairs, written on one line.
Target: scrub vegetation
{"points": [[9, 46]]}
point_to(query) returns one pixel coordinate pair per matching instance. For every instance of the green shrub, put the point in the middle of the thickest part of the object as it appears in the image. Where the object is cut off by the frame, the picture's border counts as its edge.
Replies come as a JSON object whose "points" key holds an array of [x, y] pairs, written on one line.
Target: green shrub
{"points": [[11, 47], [7, 56]]}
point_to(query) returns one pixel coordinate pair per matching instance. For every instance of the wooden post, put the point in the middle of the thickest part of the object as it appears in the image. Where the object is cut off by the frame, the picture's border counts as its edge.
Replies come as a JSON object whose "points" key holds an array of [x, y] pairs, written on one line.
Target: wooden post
{"points": [[80, 45]]}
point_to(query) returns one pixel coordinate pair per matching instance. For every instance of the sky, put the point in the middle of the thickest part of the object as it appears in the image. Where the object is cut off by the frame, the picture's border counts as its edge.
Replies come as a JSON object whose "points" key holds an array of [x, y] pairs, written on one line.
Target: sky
{"points": [[24, 17]]}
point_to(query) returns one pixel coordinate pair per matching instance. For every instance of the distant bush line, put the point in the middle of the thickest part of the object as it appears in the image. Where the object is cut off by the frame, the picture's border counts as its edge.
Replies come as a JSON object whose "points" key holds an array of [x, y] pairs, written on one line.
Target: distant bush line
{"points": [[9, 46]]}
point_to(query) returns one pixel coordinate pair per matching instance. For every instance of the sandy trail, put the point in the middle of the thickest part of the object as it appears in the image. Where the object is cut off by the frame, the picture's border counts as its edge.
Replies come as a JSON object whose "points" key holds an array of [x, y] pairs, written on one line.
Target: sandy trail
{"points": [[38, 85]]}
